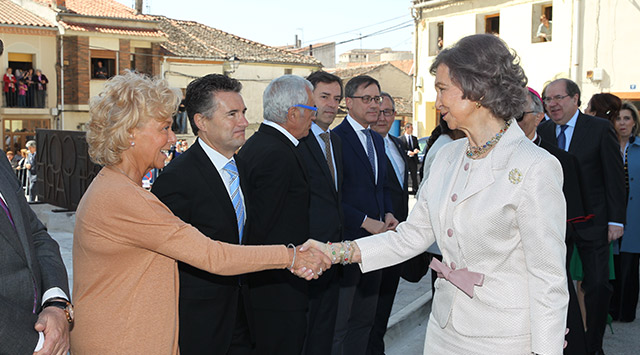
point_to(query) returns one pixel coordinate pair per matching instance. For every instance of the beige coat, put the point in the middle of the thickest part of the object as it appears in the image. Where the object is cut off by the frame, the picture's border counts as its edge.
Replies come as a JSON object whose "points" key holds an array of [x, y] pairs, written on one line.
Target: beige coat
{"points": [[502, 216]]}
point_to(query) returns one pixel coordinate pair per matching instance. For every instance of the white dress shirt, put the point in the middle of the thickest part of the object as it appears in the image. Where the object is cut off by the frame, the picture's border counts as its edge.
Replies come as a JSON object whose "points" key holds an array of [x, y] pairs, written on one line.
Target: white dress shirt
{"points": [[283, 131], [363, 140], [397, 159]]}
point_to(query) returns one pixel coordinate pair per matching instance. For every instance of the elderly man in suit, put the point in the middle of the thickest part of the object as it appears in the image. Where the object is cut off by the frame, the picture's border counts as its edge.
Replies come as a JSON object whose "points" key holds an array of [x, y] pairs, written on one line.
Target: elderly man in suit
{"points": [[202, 187], [366, 200], [397, 176], [35, 313], [593, 141], [322, 154], [577, 210], [276, 183]]}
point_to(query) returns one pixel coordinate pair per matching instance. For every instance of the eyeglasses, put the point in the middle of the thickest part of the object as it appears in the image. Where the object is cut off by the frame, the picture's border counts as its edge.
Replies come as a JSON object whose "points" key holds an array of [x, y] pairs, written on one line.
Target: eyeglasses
{"points": [[367, 99], [314, 109], [547, 100], [388, 112], [521, 117]]}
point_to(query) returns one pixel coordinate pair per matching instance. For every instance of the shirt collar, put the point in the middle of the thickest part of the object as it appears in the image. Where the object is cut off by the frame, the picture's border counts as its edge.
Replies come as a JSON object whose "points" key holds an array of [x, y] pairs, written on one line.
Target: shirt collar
{"points": [[218, 160], [282, 130], [317, 130], [574, 119], [354, 124]]}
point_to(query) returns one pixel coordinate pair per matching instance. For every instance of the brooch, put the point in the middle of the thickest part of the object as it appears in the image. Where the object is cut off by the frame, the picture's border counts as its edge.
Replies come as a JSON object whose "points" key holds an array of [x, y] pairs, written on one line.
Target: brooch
{"points": [[515, 176]]}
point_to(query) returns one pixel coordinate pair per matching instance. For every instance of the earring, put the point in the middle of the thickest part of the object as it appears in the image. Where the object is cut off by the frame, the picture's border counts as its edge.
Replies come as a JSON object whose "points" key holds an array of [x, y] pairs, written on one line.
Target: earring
{"points": [[478, 104], [133, 144]]}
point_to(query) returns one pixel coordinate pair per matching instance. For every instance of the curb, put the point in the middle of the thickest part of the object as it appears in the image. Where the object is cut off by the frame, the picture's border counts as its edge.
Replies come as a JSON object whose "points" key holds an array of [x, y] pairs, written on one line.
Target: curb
{"points": [[405, 320]]}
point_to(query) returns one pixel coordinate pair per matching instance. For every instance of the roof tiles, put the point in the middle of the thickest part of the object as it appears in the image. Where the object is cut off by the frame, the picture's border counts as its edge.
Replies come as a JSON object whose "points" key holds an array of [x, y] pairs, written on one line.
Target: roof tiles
{"points": [[101, 8], [127, 31], [13, 14]]}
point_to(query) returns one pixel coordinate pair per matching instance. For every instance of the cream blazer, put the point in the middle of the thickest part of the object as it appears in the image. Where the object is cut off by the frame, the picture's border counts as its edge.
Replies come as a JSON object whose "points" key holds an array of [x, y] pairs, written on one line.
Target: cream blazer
{"points": [[502, 216]]}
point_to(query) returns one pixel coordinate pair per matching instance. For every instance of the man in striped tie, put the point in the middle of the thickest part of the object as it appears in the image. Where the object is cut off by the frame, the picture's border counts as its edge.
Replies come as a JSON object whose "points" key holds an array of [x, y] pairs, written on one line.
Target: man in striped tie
{"points": [[203, 187]]}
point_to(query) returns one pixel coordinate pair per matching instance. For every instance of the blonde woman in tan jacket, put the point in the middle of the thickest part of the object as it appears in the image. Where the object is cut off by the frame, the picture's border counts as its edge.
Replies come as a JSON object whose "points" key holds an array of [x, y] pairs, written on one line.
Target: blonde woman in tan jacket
{"points": [[126, 242]]}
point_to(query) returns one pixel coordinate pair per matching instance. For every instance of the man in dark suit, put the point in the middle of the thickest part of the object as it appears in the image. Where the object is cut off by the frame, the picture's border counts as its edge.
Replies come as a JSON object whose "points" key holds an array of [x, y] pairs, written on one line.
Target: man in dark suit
{"points": [[593, 142], [202, 187], [577, 211], [366, 201], [276, 183], [397, 183], [35, 313], [411, 149], [322, 154]]}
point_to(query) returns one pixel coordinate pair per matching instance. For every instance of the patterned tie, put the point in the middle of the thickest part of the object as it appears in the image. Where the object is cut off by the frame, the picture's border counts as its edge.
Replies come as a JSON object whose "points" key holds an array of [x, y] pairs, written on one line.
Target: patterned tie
{"points": [[326, 138], [370, 153], [6, 210], [236, 199], [562, 139], [393, 162]]}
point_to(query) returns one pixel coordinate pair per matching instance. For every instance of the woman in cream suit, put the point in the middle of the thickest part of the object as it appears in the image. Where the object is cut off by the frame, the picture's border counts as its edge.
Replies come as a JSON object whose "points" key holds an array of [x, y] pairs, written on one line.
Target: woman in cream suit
{"points": [[496, 210]]}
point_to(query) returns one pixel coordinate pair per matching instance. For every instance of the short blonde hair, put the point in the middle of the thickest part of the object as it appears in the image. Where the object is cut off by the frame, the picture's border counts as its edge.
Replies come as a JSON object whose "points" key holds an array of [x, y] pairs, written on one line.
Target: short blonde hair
{"points": [[126, 102]]}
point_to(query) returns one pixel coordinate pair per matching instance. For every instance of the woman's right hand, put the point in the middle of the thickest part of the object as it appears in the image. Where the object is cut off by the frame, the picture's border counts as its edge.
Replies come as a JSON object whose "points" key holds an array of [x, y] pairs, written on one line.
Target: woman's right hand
{"points": [[310, 262]]}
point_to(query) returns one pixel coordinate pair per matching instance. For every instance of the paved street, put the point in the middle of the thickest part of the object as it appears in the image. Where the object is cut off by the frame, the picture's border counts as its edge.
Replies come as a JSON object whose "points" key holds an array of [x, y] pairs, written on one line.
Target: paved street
{"points": [[407, 325]]}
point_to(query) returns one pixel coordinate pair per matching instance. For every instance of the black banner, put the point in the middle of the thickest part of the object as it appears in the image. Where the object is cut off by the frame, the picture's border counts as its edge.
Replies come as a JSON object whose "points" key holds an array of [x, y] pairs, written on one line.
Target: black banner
{"points": [[64, 168]]}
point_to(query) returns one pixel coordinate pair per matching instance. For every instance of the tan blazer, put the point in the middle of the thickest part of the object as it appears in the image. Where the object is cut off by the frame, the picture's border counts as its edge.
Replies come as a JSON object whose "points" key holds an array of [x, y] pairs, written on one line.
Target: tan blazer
{"points": [[502, 216]]}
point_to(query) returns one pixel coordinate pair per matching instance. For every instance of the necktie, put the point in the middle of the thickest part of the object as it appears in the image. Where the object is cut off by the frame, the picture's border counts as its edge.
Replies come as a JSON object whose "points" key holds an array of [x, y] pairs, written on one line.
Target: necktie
{"points": [[409, 142], [6, 210], [236, 199], [393, 162], [562, 139], [370, 153], [326, 138]]}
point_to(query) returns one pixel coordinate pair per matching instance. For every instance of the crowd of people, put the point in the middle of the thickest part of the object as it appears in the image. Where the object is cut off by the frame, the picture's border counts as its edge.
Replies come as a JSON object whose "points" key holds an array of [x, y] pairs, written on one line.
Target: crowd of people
{"points": [[24, 166], [24, 88], [293, 241]]}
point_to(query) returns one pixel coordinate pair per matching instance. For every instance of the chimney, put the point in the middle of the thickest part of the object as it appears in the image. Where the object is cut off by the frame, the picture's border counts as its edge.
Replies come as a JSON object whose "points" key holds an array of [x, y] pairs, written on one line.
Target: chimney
{"points": [[61, 4], [311, 50], [139, 6], [295, 44]]}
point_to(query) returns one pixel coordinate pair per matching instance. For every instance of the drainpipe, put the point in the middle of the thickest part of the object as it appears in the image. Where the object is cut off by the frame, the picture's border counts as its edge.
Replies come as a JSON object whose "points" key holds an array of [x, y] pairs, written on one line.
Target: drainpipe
{"points": [[575, 42], [61, 83], [417, 15]]}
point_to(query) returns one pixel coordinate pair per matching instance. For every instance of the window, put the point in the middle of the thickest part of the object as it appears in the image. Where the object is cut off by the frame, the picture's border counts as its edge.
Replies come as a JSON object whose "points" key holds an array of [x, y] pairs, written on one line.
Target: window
{"points": [[103, 64], [436, 36], [17, 132], [541, 23], [492, 24]]}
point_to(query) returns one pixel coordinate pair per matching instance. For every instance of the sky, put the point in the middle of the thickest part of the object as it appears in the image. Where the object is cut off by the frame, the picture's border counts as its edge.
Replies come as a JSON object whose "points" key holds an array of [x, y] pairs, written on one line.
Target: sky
{"points": [[276, 22]]}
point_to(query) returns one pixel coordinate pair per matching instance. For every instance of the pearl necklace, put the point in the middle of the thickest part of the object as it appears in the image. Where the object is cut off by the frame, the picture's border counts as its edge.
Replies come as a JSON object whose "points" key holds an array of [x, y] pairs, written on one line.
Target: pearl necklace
{"points": [[474, 152]]}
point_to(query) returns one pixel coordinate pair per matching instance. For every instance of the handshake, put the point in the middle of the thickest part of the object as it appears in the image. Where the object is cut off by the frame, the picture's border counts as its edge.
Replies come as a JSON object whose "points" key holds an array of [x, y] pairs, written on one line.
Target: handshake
{"points": [[312, 258]]}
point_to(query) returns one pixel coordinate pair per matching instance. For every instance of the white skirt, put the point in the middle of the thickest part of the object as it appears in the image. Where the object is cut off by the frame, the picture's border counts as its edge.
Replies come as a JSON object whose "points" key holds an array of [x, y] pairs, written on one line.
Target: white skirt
{"points": [[448, 341]]}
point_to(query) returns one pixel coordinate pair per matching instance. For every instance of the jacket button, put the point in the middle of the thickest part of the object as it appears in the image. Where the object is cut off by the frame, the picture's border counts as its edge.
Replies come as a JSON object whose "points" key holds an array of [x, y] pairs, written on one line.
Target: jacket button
{"points": [[450, 232], [454, 197], [453, 265], [466, 166]]}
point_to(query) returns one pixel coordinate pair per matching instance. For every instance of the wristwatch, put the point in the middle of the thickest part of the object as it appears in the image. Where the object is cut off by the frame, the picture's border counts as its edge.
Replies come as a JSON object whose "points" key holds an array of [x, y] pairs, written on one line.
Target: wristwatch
{"points": [[63, 304]]}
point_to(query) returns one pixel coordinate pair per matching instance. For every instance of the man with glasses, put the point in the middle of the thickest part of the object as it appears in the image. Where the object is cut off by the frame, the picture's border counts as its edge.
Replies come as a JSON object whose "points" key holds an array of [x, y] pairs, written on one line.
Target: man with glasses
{"points": [[367, 206], [276, 184], [322, 153], [397, 182], [593, 141]]}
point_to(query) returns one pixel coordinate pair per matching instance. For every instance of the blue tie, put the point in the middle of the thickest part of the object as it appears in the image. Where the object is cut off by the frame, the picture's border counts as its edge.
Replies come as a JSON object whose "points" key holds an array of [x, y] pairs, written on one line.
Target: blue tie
{"points": [[393, 162], [236, 199], [562, 139], [370, 153]]}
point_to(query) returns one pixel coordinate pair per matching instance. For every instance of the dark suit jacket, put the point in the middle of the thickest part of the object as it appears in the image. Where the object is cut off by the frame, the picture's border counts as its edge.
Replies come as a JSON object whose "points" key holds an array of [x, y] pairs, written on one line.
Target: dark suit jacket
{"points": [[277, 184], [30, 264], [193, 190], [399, 194], [325, 212], [405, 146], [361, 196], [595, 146]]}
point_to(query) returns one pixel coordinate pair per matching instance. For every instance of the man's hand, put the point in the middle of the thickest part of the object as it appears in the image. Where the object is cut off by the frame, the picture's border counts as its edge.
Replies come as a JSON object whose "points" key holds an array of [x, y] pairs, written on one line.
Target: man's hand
{"points": [[52, 321], [373, 226], [310, 262], [390, 222], [615, 232]]}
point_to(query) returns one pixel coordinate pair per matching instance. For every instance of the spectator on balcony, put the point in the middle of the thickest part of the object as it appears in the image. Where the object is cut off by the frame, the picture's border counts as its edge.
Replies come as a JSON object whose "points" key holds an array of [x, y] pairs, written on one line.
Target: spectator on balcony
{"points": [[22, 93], [28, 78], [9, 88], [41, 82]]}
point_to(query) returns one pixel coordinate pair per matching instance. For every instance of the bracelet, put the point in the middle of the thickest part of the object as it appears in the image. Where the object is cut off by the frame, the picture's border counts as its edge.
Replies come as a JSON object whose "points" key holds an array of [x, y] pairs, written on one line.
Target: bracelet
{"points": [[347, 252], [331, 247], [294, 255]]}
